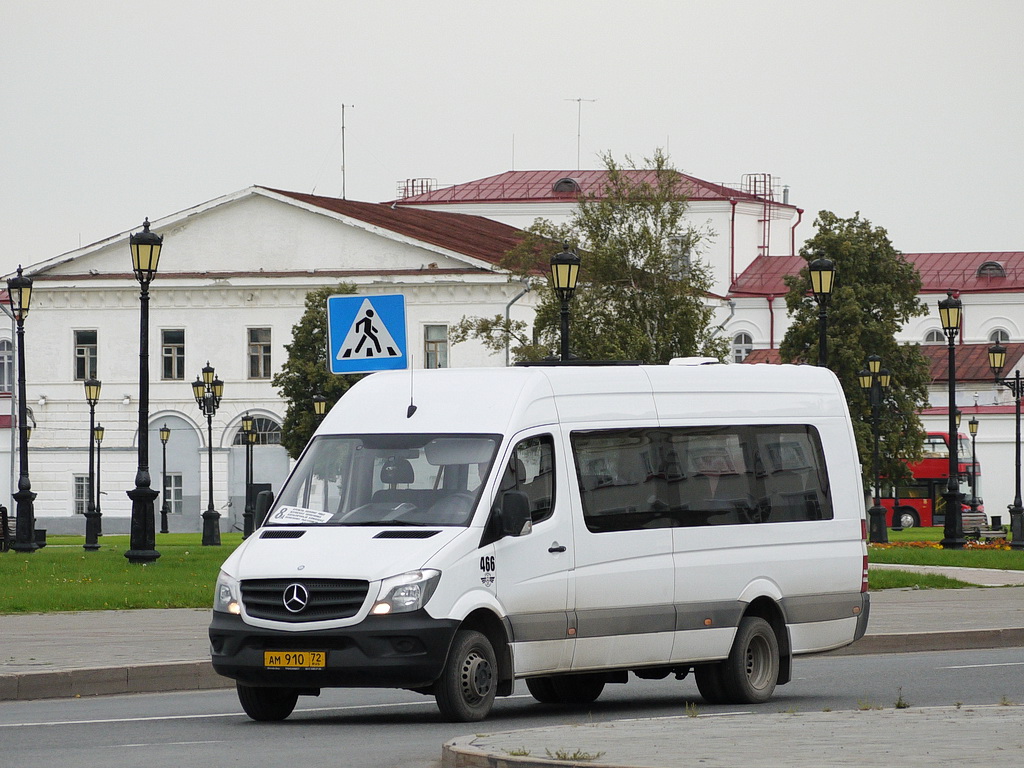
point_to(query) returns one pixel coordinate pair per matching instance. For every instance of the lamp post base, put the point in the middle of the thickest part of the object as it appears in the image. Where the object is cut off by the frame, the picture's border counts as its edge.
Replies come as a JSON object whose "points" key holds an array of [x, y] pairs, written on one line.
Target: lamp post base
{"points": [[953, 533], [25, 522], [143, 528], [877, 531], [211, 528], [1016, 527], [92, 530]]}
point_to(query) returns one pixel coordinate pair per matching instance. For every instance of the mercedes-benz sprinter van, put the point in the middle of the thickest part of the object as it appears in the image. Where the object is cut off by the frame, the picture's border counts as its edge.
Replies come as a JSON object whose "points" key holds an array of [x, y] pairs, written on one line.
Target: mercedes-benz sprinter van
{"points": [[451, 531]]}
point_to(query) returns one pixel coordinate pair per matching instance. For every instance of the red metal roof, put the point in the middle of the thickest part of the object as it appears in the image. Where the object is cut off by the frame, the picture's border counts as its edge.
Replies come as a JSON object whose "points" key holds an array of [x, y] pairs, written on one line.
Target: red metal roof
{"points": [[469, 235], [971, 361], [539, 186], [940, 272]]}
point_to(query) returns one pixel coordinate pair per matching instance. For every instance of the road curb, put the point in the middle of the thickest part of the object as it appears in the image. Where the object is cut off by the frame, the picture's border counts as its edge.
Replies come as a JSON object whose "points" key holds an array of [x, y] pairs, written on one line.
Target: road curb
{"points": [[916, 642], [106, 681]]}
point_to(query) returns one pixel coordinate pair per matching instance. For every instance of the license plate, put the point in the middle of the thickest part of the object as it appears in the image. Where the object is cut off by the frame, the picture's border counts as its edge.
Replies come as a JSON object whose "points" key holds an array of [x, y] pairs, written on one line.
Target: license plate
{"points": [[295, 659]]}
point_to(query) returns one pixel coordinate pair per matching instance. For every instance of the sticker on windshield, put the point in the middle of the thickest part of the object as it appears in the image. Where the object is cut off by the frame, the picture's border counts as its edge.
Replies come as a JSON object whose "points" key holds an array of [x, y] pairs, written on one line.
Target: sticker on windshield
{"points": [[298, 516]]}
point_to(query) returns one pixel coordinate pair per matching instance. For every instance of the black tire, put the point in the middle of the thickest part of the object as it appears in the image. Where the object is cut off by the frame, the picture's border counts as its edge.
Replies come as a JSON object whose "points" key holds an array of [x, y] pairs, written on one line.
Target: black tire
{"points": [[466, 688], [542, 689], [907, 518], [750, 673], [709, 683], [267, 704]]}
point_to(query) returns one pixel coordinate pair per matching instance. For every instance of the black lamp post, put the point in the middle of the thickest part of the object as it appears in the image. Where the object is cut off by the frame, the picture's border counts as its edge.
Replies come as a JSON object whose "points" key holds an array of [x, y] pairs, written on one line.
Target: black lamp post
{"points": [[248, 432], [565, 271], [875, 381], [98, 433], [208, 391], [972, 426], [20, 291], [146, 248], [92, 528], [823, 273], [997, 361], [165, 435], [950, 314]]}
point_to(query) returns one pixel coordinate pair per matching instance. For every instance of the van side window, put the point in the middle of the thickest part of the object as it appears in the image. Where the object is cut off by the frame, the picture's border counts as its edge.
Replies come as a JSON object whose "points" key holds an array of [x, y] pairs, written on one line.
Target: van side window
{"points": [[667, 477], [531, 469]]}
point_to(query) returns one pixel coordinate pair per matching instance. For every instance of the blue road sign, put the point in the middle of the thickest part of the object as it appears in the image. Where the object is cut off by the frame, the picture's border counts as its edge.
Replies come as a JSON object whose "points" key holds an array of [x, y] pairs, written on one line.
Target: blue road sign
{"points": [[366, 333]]}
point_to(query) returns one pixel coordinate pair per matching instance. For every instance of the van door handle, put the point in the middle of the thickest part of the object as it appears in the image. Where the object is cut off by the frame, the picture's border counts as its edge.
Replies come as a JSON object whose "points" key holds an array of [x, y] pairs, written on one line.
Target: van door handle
{"points": [[556, 547]]}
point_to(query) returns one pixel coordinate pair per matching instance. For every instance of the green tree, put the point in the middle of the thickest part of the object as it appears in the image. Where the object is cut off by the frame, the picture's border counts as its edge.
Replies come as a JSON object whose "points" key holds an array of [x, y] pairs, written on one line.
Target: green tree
{"points": [[642, 293], [306, 373], [875, 294]]}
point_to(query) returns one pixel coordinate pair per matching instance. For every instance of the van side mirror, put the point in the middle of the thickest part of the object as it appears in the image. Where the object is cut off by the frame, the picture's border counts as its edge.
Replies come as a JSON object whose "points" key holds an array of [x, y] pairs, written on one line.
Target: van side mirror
{"points": [[264, 501], [515, 514]]}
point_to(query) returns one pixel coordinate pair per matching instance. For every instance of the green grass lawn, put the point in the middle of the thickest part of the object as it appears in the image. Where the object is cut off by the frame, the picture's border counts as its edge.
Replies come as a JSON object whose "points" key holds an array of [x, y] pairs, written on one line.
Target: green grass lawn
{"points": [[64, 577]]}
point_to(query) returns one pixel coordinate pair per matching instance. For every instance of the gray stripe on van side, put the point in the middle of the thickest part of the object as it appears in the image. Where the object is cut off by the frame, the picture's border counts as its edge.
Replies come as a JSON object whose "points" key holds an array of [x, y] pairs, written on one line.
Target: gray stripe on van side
{"points": [[639, 620], [811, 608]]}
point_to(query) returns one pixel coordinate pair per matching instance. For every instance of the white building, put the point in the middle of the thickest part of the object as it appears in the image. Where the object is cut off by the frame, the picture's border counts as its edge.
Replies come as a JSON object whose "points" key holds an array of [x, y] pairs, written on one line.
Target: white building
{"points": [[232, 282]]}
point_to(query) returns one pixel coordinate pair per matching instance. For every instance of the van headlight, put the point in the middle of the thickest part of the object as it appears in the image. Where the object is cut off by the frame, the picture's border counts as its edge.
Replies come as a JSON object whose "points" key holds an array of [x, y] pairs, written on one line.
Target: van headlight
{"points": [[227, 595], [405, 592]]}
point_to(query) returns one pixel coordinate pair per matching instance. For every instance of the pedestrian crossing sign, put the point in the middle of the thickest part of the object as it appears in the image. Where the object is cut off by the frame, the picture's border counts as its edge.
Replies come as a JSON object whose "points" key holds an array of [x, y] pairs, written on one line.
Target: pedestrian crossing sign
{"points": [[366, 333]]}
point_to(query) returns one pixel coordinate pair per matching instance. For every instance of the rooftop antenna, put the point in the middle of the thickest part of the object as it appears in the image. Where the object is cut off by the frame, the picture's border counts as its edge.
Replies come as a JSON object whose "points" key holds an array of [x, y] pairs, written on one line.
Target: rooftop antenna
{"points": [[579, 123], [343, 149]]}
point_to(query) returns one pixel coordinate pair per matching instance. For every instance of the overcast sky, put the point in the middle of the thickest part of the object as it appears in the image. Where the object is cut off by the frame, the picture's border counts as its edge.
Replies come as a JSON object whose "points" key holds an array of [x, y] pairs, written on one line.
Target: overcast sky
{"points": [[910, 112]]}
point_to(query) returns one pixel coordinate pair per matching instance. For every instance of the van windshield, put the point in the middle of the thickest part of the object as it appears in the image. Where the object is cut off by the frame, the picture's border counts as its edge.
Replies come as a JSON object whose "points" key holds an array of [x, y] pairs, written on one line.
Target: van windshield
{"points": [[400, 479]]}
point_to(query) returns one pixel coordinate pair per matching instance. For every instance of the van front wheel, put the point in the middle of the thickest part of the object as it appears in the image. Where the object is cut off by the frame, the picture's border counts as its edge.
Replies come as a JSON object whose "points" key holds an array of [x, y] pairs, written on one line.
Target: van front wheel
{"points": [[750, 673], [466, 688], [267, 704]]}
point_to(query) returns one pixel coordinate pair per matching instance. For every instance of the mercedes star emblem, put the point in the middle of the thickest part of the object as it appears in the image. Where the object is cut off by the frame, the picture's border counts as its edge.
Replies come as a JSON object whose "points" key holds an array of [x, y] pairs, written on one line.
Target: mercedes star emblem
{"points": [[295, 597]]}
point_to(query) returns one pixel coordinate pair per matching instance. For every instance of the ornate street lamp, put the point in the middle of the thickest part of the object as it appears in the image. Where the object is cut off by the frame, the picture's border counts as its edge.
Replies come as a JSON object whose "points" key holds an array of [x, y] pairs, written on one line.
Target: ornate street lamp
{"points": [[972, 427], [950, 315], [997, 361], [319, 405], [165, 435], [145, 247], [97, 434], [248, 432], [874, 380], [823, 273], [20, 291], [565, 271], [92, 515], [208, 392]]}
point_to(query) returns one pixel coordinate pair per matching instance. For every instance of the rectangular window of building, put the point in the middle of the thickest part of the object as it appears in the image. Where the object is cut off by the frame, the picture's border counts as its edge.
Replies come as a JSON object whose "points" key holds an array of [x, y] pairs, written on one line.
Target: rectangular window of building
{"points": [[173, 354], [259, 353], [435, 346], [85, 355], [6, 366], [80, 495], [172, 492]]}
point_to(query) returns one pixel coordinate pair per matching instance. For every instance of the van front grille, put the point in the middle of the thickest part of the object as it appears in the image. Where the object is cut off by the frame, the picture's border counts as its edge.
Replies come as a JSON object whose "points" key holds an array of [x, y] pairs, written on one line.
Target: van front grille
{"points": [[299, 600]]}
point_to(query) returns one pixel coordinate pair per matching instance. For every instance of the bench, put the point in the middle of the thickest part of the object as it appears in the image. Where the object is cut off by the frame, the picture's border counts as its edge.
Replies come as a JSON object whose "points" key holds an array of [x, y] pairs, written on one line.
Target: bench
{"points": [[976, 527]]}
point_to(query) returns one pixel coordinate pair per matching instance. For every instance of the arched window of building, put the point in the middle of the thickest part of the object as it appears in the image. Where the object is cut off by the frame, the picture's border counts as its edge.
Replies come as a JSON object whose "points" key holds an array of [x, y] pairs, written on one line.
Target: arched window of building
{"points": [[742, 345], [991, 269], [999, 336], [6, 366], [268, 432], [934, 336]]}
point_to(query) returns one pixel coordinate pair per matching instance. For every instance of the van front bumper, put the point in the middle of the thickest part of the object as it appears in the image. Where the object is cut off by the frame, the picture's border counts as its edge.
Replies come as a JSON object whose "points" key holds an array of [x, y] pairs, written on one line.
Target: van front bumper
{"points": [[397, 651]]}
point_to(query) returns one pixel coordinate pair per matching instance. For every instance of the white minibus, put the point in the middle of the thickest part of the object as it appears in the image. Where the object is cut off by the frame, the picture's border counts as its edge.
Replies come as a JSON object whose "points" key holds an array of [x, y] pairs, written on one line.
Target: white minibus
{"points": [[452, 531]]}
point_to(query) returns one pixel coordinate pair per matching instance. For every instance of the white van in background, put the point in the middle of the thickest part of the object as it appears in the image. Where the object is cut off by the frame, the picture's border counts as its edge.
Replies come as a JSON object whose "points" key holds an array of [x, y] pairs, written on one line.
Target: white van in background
{"points": [[566, 525]]}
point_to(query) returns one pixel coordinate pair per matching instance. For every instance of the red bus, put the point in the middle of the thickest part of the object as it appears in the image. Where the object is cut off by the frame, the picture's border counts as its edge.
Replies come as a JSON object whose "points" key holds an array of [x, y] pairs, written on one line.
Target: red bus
{"points": [[920, 502]]}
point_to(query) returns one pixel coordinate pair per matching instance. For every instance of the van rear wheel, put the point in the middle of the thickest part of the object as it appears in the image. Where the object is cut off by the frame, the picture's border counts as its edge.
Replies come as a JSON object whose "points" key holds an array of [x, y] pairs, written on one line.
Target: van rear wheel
{"points": [[566, 689], [266, 704], [465, 691], [709, 683], [542, 689], [750, 673]]}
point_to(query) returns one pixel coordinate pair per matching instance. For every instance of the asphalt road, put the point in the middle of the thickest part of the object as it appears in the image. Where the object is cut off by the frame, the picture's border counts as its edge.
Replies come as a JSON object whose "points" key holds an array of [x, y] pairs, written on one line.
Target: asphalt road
{"points": [[384, 728]]}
